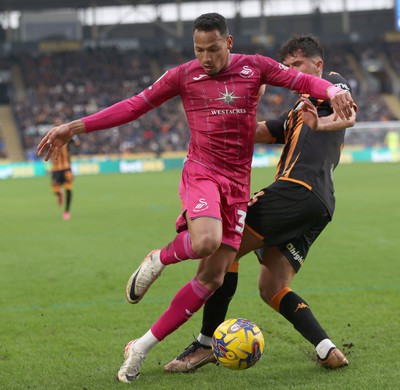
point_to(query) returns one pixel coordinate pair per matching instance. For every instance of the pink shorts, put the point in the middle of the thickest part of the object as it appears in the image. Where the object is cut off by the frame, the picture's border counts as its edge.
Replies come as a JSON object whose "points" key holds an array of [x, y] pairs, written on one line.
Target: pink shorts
{"points": [[205, 193]]}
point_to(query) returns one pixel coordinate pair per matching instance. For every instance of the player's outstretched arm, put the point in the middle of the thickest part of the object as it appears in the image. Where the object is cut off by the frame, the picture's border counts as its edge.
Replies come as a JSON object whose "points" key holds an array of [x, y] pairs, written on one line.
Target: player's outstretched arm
{"points": [[327, 123], [59, 136]]}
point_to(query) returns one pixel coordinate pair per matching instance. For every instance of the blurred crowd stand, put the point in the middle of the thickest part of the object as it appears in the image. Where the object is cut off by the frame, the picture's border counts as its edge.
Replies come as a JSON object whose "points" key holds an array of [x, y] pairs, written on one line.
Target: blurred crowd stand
{"points": [[68, 85]]}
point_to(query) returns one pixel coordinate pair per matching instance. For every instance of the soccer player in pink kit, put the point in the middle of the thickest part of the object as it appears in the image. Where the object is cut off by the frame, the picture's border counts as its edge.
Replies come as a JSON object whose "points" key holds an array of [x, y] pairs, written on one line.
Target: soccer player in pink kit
{"points": [[219, 91]]}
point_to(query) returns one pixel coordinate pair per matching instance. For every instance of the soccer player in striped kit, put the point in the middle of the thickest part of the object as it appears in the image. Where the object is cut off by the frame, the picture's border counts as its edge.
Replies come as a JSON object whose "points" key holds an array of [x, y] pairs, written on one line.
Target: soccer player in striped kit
{"points": [[62, 177]]}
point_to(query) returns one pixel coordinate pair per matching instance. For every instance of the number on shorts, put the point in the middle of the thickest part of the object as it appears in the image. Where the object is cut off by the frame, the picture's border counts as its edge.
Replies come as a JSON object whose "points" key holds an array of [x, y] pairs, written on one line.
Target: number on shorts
{"points": [[242, 216]]}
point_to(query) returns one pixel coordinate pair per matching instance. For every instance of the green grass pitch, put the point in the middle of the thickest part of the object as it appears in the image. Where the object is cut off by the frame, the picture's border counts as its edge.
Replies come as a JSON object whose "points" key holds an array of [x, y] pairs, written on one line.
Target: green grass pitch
{"points": [[64, 321]]}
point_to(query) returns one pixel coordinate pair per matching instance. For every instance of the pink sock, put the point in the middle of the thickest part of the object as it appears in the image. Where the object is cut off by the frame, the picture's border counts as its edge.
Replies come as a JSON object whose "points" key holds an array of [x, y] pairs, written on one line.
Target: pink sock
{"points": [[178, 250], [189, 299]]}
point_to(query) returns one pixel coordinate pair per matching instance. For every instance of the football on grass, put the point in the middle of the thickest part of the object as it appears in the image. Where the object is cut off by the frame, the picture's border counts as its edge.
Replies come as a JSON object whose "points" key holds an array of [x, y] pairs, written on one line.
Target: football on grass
{"points": [[237, 344]]}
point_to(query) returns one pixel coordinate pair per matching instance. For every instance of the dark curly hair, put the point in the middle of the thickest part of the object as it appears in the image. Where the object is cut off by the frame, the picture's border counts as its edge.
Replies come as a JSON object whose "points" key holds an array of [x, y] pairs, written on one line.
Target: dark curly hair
{"points": [[307, 44], [211, 21]]}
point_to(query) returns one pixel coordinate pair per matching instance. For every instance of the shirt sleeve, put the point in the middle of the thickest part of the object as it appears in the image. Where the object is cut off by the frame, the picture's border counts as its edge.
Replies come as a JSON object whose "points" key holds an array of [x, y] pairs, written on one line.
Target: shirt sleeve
{"points": [[276, 128], [166, 87], [277, 74], [337, 80], [117, 114]]}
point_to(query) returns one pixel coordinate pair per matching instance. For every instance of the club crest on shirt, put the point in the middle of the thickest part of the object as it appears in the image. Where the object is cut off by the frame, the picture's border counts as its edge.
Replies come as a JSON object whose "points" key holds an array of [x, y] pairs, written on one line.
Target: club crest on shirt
{"points": [[201, 206], [246, 72]]}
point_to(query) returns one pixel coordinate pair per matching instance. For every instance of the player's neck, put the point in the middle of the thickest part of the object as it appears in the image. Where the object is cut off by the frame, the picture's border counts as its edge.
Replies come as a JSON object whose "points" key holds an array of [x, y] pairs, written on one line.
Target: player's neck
{"points": [[228, 62]]}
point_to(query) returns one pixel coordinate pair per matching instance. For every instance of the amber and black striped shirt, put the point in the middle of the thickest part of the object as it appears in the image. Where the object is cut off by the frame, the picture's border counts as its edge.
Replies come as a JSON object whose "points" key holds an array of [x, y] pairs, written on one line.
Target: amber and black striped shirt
{"points": [[309, 157], [63, 162]]}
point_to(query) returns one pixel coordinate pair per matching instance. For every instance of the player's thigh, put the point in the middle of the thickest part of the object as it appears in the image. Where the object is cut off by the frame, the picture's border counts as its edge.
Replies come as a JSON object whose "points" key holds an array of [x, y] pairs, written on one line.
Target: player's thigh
{"points": [[68, 179], [276, 273], [205, 234], [250, 242]]}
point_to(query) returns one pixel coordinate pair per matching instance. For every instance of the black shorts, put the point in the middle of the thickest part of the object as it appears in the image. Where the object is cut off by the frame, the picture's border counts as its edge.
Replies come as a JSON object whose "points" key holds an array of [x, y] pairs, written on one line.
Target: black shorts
{"points": [[290, 217], [61, 177]]}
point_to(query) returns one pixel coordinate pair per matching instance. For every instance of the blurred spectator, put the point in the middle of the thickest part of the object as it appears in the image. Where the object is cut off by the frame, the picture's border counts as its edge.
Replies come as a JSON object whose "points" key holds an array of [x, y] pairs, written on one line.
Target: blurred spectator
{"points": [[2, 147], [392, 142]]}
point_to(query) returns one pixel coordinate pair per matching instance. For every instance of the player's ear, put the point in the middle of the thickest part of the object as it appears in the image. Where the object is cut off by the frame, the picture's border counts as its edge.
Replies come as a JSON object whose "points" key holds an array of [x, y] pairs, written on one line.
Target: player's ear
{"points": [[320, 65], [229, 42]]}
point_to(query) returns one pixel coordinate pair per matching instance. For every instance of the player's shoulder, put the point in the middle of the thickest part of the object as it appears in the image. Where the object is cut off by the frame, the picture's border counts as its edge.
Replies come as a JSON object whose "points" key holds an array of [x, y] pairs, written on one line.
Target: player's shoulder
{"points": [[337, 79], [242, 55], [186, 69], [250, 62], [176, 69], [191, 65], [175, 74], [240, 58]]}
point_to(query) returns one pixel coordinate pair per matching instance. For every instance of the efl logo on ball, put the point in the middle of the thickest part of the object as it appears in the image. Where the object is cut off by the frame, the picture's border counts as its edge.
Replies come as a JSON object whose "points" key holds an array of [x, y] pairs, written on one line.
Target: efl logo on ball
{"points": [[238, 344]]}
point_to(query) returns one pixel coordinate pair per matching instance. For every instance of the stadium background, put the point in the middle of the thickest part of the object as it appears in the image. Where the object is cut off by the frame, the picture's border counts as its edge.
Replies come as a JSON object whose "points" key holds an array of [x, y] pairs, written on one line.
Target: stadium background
{"points": [[55, 65], [64, 319]]}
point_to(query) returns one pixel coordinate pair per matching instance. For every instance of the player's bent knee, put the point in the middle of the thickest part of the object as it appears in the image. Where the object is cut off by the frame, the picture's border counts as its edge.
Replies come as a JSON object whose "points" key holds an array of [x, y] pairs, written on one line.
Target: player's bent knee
{"points": [[268, 294], [211, 283], [205, 245]]}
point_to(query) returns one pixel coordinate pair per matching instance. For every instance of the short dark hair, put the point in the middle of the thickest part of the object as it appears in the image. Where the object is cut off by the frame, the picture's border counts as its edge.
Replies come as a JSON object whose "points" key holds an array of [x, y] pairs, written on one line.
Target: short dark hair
{"points": [[308, 44], [210, 22]]}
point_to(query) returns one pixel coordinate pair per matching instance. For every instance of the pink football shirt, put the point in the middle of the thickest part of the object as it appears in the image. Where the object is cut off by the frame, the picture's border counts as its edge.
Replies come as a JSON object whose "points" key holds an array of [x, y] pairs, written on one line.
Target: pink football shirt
{"points": [[220, 109]]}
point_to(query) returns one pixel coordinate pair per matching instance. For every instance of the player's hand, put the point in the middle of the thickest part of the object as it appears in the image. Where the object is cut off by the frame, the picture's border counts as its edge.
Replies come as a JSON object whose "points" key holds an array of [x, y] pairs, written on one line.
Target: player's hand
{"points": [[254, 199], [342, 104], [54, 140], [309, 113]]}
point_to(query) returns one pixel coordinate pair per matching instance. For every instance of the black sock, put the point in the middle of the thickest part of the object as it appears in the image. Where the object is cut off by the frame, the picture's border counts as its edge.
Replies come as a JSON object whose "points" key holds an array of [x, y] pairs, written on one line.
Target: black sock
{"points": [[216, 307], [297, 311], [68, 197]]}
